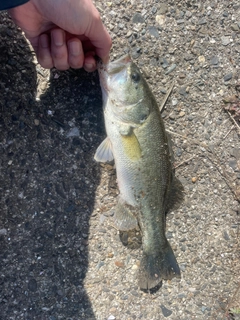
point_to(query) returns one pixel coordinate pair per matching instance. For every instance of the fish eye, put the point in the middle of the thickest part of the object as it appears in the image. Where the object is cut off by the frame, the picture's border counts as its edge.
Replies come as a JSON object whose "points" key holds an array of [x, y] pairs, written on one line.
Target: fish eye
{"points": [[135, 76]]}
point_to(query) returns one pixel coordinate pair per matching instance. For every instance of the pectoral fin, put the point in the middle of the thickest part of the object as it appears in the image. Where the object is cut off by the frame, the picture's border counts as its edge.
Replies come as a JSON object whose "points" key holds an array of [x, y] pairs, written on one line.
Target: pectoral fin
{"points": [[131, 146], [104, 152]]}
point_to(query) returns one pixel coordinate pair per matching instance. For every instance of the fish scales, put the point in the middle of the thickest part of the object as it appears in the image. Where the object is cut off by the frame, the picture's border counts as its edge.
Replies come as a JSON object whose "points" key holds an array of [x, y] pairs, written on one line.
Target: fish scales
{"points": [[137, 142]]}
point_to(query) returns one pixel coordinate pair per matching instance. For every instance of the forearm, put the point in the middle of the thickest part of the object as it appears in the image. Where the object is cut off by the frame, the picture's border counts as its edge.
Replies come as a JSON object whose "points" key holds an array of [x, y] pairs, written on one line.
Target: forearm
{"points": [[8, 4]]}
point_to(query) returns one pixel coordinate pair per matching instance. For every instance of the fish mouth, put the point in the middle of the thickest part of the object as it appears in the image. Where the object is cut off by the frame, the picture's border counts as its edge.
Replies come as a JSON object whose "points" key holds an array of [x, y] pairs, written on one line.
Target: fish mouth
{"points": [[105, 71], [119, 64]]}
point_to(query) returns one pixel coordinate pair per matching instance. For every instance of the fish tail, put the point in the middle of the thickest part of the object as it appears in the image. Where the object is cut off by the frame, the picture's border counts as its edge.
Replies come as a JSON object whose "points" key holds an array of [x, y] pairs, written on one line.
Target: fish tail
{"points": [[155, 267]]}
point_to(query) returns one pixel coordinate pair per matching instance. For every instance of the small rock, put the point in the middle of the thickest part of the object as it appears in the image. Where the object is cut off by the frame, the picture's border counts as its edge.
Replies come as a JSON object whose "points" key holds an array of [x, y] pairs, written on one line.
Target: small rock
{"points": [[163, 8], [3, 232], [182, 75], [111, 317], [171, 68], [180, 21], [201, 59], [137, 18], [174, 101], [99, 265], [228, 76], [166, 312], [172, 116], [181, 295], [154, 10], [182, 114], [163, 90], [225, 40], [235, 27], [233, 163], [119, 264], [179, 152], [164, 63], [194, 179], [183, 91], [202, 21], [160, 19], [188, 14], [214, 60], [225, 14], [36, 122], [153, 31], [226, 236], [136, 53], [32, 285]]}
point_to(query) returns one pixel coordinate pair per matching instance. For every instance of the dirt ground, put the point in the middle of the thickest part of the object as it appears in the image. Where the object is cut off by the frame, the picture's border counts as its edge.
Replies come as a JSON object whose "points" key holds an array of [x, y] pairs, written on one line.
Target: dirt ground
{"points": [[60, 256]]}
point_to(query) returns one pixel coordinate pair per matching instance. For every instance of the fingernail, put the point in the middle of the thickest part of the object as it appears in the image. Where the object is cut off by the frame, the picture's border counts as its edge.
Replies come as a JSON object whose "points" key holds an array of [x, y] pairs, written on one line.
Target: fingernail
{"points": [[44, 41], [89, 66], [58, 37], [74, 48]]}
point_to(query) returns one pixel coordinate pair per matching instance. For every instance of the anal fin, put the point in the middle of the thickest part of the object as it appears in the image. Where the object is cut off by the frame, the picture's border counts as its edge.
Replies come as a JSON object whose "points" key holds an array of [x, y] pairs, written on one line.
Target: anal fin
{"points": [[124, 217]]}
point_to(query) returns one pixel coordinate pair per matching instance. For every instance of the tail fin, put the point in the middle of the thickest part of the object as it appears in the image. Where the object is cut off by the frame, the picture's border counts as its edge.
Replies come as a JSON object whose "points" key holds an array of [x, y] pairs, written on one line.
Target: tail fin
{"points": [[154, 268]]}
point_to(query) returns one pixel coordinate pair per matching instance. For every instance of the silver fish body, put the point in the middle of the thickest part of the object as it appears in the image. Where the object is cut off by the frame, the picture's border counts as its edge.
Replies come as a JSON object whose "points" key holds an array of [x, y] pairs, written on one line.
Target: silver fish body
{"points": [[137, 142]]}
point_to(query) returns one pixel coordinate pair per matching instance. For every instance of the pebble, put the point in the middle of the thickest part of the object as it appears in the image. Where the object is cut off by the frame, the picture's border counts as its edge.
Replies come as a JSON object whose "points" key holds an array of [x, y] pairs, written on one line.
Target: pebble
{"points": [[160, 19], [136, 53], [202, 21], [182, 75], [111, 317], [32, 285], [188, 14], [233, 163], [214, 60], [225, 235], [225, 40], [166, 312], [194, 179], [164, 63], [163, 8], [174, 101], [163, 90], [228, 76], [153, 31], [201, 59], [235, 27], [154, 10], [119, 264], [179, 152], [99, 265], [182, 114], [171, 68], [3, 232], [183, 92], [137, 18]]}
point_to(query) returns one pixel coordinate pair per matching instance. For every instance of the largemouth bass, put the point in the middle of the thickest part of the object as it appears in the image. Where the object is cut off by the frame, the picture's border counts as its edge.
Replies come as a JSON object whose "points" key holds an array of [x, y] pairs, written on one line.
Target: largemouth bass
{"points": [[137, 142]]}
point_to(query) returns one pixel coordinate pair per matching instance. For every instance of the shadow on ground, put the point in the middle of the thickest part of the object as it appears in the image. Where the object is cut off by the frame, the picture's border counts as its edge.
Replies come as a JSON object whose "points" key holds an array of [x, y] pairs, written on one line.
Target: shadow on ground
{"points": [[47, 184]]}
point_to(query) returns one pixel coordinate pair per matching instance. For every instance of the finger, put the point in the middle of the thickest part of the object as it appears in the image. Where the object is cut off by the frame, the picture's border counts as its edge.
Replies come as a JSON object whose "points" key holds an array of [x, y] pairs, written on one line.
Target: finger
{"points": [[75, 53], [43, 53], [59, 49], [90, 62]]}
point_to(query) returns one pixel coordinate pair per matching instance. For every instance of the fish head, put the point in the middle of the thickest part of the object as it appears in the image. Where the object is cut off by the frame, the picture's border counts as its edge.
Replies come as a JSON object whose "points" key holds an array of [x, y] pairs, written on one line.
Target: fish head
{"points": [[125, 90]]}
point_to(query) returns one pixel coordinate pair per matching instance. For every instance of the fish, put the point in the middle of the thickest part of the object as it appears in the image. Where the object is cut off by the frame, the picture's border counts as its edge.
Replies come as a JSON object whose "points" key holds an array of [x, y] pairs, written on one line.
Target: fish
{"points": [[138, 144]]}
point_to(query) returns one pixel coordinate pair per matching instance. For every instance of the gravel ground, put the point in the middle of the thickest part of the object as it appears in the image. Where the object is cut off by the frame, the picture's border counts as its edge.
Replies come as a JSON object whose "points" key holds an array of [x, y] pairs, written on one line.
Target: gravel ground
{"points": [[60, 256]]}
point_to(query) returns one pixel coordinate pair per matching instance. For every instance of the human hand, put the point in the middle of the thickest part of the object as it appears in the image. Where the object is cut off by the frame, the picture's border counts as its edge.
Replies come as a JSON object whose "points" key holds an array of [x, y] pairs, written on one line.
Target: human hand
{"points": [[64, 33]]}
